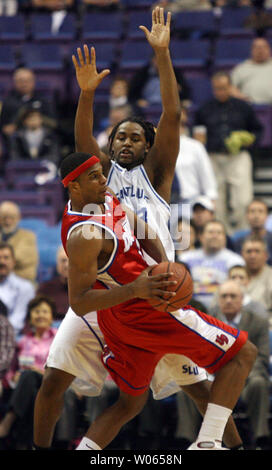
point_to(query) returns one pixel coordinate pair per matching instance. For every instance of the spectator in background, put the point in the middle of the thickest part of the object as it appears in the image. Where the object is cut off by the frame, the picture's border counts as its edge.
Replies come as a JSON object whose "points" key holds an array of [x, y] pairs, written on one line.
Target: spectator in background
{"points": [[144, 88], [15, 291], [49, 5], [26, 374], [33, 139], [57, 288], [203, 211], [257, 213], [251, 79], [23, 242], [239, 274], [209, 265], [232, 129], [111, 4], [255, 253], [256, 392], [194, 170], [24, 95], [7, 342], [8, 7]]}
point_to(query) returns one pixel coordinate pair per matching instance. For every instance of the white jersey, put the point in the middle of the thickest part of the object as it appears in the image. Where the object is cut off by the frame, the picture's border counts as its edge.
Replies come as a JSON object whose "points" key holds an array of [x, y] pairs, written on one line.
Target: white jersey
{"points": [[133, 188]]}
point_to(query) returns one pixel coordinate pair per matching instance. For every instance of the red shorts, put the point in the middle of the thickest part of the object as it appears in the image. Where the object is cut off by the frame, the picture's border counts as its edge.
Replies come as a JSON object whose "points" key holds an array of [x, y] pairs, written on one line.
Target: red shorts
{"points": [[137, 336]]}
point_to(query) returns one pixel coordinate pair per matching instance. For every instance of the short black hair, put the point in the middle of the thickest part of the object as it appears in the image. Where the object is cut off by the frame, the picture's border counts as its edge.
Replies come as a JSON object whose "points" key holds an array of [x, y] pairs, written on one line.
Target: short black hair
{"points": [[5, 245], [148, 127], [71, 162], [39, 299]]}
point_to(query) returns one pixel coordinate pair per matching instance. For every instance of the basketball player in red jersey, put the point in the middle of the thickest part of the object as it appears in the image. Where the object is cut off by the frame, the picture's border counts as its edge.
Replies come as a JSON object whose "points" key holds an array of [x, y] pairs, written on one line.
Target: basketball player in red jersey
{"points": [[160, 172], [135, 333]]}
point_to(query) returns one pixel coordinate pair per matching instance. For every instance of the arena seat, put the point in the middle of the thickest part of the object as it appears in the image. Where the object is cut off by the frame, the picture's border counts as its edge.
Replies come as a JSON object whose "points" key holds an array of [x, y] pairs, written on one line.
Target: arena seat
{"points": [[134, 20], [197, 24], [102, 26], [45, 57], [190, 54], [13, 28], [134, 55], [41, 27], [230, 52], [232, 23]]}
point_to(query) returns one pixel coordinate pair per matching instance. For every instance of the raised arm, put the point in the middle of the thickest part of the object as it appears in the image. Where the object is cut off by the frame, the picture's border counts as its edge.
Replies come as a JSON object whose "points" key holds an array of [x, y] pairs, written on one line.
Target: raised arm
{"points": [[163, 155], [88, 80]]}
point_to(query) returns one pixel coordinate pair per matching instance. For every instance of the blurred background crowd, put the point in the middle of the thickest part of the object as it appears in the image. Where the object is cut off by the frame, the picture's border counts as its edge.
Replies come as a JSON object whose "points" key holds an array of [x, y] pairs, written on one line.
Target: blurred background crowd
{"points": [[221, 52]]}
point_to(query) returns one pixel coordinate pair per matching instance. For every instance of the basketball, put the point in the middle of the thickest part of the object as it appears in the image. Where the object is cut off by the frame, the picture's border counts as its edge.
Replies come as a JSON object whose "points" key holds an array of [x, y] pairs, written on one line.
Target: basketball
{"points": [[183, 288]]}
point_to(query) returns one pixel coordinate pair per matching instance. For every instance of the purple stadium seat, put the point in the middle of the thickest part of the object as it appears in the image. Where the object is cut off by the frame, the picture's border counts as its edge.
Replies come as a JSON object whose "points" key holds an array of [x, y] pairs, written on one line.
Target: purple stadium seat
{"points": [[139, 4], [232, 23], [190, 54], [12, 28], [15, 169], [7, 58], [41, 212], [40, 27], [201, 90], [102, 26], [195, 23], [22, 197], [45, 57], [135, 19], [230, 52], [134, 55]]}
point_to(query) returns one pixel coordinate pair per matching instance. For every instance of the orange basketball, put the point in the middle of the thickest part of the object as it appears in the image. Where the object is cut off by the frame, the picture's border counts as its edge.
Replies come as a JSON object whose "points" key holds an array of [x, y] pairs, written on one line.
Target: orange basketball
{"points": [[183, 288]]}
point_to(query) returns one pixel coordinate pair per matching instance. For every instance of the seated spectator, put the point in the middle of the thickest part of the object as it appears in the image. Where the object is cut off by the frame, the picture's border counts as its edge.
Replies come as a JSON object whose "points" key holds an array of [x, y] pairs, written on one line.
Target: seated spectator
{"points": [[26, 374], [24, 95], [209, 264], [57, 288], [251, 78], [232, 132], [7, 342], [33, 139], [24, 242], [8, 7], [255, 395], [239, 274], [255, 253], [194, 170], [257, 213], [144, 88], [15, 291], [203, 211], [256, 392]]}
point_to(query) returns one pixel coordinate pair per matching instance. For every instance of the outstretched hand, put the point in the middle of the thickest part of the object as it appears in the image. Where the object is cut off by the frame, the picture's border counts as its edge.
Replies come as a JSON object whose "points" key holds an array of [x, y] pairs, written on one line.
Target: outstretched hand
{"points": [[159, 36], [85, 66]]}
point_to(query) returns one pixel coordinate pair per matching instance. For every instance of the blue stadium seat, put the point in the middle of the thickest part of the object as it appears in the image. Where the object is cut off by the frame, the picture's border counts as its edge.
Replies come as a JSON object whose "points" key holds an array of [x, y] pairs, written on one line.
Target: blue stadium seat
{"points": [[196, 23], [102, 26], [42, 56], [7, 58], [190, 54], [40, 27], [12, 28], [201, 90], [134, 55], [232, 23], [136, 19], [230, 52], [22, 197]]}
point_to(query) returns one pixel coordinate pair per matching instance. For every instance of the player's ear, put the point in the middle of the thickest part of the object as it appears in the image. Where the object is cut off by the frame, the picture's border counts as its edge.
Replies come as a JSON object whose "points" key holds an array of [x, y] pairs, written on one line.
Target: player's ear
{"points": [[74, 187]]}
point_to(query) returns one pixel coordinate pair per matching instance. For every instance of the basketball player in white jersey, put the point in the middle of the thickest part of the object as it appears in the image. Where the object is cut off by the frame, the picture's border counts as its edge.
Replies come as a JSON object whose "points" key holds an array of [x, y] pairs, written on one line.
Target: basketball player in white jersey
{"points": [[140, 171]]}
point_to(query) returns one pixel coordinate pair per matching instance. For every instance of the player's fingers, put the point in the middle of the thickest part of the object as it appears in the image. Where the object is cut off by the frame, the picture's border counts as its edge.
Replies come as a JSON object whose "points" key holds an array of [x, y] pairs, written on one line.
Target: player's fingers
{"points": [[158, 277], [80, 56], [87, 54], [165, 295], [75, 62], [145, 30], [154, 16], [168, 20], [93, 56], [161, 16]]}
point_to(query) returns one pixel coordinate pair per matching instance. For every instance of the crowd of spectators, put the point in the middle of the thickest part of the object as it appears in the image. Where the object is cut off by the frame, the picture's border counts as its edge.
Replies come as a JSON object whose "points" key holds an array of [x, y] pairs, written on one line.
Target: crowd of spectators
{"points": [[229, 249]]}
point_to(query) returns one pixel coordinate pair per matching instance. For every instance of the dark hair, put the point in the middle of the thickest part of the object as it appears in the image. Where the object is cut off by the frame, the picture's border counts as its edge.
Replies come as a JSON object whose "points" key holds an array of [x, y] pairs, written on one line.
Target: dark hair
{"points": [[260, 201], [238, 266], [255, 238], [148, 127], [4, 245], [71, 162], [37, 301]]}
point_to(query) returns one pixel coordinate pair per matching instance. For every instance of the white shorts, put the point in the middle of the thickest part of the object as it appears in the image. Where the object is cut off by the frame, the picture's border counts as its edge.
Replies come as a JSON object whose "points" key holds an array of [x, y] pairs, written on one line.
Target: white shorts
{"points": [[77, 347]]}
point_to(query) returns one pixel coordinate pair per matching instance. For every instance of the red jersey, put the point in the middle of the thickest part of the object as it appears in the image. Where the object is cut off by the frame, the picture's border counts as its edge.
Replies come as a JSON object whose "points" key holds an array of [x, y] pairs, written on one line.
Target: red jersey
{"points": [[126, 261]]}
